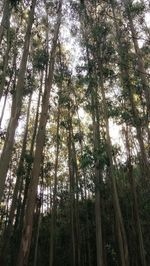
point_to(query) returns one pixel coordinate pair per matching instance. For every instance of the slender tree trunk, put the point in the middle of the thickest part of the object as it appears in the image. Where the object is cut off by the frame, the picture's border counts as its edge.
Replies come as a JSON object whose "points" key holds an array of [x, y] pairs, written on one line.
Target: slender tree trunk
{"points": [[138, 228], [74, 194], [21, 206], [86, 234], [5, 19], [6, 57], [98, 183], [141, 68], [75, 189], [122, 240], [54, 207], [77, 222], [3, 109], [16, 106], [97, 170], [125, 78], [28, 221], [8, 86], [96, 138], [9, 229], [36, 116], [24, 187], [72, 197], [37, 239]]}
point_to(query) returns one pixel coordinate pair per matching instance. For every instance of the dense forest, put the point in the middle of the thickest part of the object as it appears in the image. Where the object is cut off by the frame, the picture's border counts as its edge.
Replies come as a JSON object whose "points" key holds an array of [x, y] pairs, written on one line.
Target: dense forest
{"points": [[74, 133]]}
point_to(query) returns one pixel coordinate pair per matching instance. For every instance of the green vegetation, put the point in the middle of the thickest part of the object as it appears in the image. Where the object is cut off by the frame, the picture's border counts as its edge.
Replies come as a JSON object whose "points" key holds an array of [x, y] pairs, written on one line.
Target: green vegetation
{"points": [[74, 133]]}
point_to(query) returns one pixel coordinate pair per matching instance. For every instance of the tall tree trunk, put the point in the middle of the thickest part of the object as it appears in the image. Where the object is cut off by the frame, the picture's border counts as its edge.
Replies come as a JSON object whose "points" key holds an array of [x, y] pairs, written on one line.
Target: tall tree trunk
{"points": [[138, 228], [141, 68], [28, 221], [122, 240], [37, 238], [86, 234], [9, 229], [97, 170], [21, 206], [13, 73], [98, 184], [77, 222], [54, 207], [35, 127], [74, 185], [125, 78], [16, 106], [72, 196], [5, 19], [5, 63]]}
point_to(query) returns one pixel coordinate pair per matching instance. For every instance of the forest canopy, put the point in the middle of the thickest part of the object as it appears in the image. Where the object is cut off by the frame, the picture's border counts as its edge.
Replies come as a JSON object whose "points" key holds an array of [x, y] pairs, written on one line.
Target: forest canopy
{"points": [[74, 133]]}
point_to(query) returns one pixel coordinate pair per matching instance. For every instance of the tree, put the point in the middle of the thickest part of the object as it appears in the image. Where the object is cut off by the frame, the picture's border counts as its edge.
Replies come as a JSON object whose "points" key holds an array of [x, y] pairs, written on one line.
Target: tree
{"points": [[27, 230], [16, 106]]}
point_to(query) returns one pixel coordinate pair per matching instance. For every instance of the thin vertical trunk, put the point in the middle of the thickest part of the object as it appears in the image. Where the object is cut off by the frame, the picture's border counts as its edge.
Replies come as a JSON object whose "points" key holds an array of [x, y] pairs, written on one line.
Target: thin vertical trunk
{"points": [[9, 229], [98, 178], [8, 196], [77, 222], [8, 86], [96, 143], [28, 219], [140, 63], [97, 170], [36, 116], [72, 197], [86, 233], [122, 240], [3, 109], [5, 19], [74, 194], [16, 106], [37, 239], [54, 207], [21, 206], [5, 63], [138, 228], [141, 68], [125, 78]]}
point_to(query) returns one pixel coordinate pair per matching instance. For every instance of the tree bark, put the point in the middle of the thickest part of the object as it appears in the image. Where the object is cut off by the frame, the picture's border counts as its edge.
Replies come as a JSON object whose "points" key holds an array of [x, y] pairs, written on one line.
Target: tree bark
{"points": [[138, 228], [54, 207], [96, 143], [6, 57], [141, 68], [9, 229], [97, 170], [5, 19], [16, 106], [126, 83], [28, 219], [122, 240]]}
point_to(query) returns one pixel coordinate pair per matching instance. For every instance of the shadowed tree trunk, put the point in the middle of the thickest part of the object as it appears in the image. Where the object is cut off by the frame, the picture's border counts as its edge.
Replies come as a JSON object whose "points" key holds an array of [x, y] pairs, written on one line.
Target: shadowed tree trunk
{"points": [[9, 229], [97, 169], [127, 85], [6, 57], [16, 106], [5, 19], [138, 229], [122, 240], [142, 72], [28, 219], [54, 207]]}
